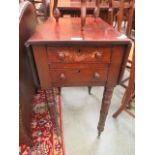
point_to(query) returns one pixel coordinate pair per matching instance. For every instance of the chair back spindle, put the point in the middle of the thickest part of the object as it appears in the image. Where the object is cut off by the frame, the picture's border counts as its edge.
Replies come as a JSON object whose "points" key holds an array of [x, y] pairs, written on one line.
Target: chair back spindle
{"points": [[83, 13], [97, 9]]}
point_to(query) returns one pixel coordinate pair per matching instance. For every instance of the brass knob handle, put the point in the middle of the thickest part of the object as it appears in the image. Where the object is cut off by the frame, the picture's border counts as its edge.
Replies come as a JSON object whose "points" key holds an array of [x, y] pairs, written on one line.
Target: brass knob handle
{"points": [[98, 55], [96, 75], [62, 76], [61, 56]]}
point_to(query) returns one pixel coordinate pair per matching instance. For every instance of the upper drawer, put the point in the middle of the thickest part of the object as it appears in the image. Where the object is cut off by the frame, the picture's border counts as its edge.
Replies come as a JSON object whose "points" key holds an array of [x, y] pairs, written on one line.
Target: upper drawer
{"points": [[84, 55]]}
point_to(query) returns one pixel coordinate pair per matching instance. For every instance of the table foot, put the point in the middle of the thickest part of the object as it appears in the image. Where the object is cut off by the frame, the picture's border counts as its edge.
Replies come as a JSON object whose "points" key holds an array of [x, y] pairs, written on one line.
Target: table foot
{"points": [[89, 90], [99, 134]]}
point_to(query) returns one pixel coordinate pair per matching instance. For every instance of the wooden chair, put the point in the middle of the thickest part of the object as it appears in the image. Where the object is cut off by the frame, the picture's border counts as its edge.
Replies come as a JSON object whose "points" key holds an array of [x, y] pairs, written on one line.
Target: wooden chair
{"points": [[125, 13], [27, 86], [130, 27], [121, 11], [128, 95]]}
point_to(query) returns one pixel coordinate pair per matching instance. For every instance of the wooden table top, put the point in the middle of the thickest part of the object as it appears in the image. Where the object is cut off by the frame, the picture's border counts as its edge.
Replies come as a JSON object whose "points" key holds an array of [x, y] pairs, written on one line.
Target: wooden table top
{"points": [[68, 32]]}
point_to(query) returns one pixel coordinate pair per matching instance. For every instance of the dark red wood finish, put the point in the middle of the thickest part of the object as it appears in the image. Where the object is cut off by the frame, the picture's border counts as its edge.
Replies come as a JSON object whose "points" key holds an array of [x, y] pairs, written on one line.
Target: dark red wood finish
{"points": [[66, 56], [27, 86]]}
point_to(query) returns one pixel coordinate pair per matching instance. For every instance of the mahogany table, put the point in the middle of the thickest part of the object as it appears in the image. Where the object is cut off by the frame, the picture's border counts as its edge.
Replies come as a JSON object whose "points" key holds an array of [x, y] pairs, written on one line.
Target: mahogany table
{"points": [[66, 56]]}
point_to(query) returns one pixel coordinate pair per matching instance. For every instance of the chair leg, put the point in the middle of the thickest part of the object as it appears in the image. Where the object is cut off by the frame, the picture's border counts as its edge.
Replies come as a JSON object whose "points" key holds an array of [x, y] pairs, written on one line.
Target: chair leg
{"points": [[125, 102], [129, 105], [89, 90], [126, 98]]}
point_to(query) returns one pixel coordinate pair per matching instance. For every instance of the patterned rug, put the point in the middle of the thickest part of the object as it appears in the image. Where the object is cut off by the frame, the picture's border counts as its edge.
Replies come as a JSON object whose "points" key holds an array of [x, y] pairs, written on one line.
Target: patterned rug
{"points": [[46, 129]]}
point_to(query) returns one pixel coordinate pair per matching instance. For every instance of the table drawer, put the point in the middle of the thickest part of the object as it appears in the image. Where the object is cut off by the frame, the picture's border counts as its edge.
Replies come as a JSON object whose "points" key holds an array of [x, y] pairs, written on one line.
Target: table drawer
{"points": [[84, 55], [78, 75]]}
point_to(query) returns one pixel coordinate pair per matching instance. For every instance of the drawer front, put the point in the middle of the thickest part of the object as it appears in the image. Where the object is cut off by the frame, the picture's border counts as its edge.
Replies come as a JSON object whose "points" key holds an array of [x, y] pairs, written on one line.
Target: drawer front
{"points": [[84, 55], [77, 76]]}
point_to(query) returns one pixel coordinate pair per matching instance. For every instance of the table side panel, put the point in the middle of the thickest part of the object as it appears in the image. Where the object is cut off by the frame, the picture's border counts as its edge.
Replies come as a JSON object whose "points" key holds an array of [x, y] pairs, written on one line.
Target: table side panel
{"points": [[41, 61], [117, 60]]}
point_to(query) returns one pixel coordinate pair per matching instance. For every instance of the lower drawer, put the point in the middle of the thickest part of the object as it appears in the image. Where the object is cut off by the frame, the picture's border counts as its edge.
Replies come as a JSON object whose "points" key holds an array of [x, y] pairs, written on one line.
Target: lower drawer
{"points": [[84, 76]]}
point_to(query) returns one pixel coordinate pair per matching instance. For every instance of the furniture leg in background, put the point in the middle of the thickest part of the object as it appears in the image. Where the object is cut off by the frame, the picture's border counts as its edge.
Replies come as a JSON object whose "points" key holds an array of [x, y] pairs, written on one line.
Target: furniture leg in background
{"points": [[89, 90], [59, 89]]}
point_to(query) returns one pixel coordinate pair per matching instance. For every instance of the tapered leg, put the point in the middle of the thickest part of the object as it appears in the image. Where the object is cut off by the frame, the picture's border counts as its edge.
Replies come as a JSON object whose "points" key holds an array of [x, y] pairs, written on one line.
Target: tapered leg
{"points": [[89, 90], [59, 89], [107, 95]]}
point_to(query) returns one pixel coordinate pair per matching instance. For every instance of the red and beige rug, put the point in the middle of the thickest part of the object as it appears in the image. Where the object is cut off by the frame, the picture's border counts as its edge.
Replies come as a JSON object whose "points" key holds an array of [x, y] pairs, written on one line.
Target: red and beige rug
{"points": [[46, 129]]}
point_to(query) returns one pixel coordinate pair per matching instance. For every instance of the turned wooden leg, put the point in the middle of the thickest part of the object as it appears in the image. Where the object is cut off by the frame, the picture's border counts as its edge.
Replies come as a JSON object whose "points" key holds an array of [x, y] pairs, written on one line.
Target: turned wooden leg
{"points": [[107, 95], [89, 90]]}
